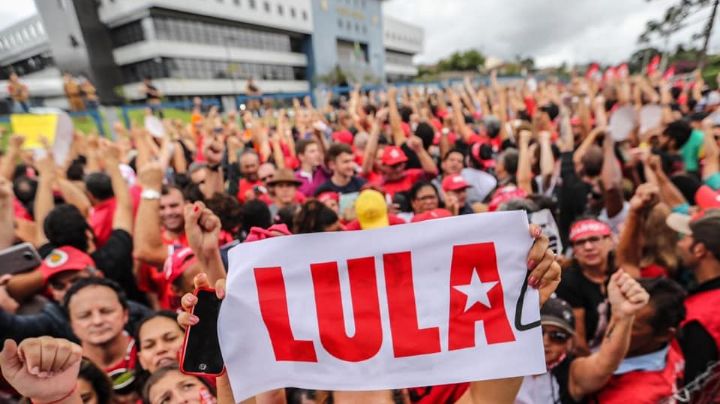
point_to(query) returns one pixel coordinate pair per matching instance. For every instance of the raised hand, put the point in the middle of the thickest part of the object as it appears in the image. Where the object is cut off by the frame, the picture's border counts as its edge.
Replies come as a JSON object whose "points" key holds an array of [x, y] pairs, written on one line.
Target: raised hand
{"points": [[544, 268], [202, 228], [625, 295], [151, 176], [646, 196], [44, 369]]}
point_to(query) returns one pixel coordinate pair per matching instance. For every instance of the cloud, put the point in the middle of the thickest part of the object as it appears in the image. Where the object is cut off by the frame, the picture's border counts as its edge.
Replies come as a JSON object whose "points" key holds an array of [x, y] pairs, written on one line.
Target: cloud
{"points": [[20, 9], [551, 31]]}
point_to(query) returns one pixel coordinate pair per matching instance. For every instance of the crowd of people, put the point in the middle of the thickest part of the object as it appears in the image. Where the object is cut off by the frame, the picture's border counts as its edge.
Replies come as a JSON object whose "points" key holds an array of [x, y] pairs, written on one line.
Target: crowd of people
{"points": [[128, 229]]}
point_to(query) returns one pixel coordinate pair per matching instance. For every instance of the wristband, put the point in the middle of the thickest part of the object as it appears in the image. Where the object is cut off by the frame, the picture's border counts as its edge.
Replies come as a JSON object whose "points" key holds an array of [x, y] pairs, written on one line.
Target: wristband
{"points": [[150, 194], [63, 398]]}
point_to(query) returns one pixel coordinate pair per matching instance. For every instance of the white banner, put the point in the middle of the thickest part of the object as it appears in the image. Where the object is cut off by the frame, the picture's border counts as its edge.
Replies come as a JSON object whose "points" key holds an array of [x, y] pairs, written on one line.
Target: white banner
{"points": [[419, 304]]}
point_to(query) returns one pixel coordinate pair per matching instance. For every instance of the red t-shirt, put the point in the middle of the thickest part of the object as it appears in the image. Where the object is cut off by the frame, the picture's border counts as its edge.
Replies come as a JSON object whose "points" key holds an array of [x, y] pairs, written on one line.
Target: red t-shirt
{"points": [[411, 176], [244, 186], [446, 393], [127, 363], [152, 279], [101, 220]]}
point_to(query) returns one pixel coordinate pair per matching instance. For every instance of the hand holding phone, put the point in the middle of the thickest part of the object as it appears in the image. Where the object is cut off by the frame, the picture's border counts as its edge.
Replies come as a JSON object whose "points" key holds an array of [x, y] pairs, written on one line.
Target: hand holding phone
{"points": [[201, 350]]}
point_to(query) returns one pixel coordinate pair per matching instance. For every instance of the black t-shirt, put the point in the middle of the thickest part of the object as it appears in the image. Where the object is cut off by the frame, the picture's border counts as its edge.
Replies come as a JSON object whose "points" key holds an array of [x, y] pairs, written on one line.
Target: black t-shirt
{"points": [[115, 260], [356, 183], [582, 293]]}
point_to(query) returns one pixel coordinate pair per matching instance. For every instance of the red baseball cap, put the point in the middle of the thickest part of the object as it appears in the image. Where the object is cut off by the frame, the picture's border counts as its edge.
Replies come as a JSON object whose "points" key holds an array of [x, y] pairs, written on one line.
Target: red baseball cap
{"points": [[589, 228], [177, 263], [431, 214], [328, 195], [343, 136], [505, 194], [393, 155], [706, 198], [64, 259], [454, 183]]}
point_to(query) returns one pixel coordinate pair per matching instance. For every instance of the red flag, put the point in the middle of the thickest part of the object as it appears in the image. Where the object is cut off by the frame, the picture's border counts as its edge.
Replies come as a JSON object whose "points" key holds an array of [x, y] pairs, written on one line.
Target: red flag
{"points": [[653, 65], [669, 73], [592, 71], [622, 70]]}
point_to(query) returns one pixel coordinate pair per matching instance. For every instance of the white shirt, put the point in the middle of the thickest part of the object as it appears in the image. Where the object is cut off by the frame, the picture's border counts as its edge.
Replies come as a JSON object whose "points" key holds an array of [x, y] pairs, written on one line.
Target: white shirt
{"points": [[540, 389]]}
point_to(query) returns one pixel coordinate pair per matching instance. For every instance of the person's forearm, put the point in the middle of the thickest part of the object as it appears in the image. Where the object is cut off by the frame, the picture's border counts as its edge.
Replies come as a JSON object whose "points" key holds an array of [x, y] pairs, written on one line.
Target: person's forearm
{"points": [[395, 122], [426, 162], [74, 196], [499, 391], [278, 155], [547, 161], [179, 163], [588, 375], [711, 163], [668, 191], [524, 171], [148, 246], [362, 397], [444, 145], [611, 175], [585, 145], [7, 222], [122, 218], [25, 285], [43, 205], [584, 115], [371, 150], [7, 164], [629, 250], [615, 344]]}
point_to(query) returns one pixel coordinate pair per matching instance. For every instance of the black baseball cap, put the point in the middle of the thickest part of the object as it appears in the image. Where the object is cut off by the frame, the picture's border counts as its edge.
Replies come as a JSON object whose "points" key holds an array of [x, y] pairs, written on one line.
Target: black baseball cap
{"points": [[558, 312], [706, 230]]}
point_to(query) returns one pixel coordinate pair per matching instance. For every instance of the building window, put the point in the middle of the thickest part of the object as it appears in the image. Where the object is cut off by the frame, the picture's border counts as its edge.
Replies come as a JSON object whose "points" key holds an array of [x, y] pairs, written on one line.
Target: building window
{"points": [[252, 4], [340, 23], [281, 11], [364, 29], [292, 12], [267, 7], [304, 15], [237, 2]]}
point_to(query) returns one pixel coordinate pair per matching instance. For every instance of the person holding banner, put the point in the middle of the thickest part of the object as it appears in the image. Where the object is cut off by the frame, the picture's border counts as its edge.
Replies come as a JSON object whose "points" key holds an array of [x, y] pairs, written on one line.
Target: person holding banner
{"points": [[202, 226]]}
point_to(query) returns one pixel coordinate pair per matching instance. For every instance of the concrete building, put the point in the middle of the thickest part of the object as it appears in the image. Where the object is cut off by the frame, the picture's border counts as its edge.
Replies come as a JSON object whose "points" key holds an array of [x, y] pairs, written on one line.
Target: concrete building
{"points": [[206, 47]]}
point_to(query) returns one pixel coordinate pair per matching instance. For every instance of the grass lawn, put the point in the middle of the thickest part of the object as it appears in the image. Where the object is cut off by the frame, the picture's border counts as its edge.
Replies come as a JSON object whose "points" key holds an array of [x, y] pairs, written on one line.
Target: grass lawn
{"points": [[87, 124]]}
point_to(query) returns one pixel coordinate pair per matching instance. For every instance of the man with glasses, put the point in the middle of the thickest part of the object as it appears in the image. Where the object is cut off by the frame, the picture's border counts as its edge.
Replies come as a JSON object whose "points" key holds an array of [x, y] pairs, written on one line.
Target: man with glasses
{"points": [[570, 378], [60, 269], [584, 284]]}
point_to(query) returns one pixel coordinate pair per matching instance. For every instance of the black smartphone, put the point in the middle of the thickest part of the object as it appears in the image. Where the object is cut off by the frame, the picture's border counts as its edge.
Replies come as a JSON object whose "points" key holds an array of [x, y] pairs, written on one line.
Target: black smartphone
{"points": [[201, 350], [19, 258]]}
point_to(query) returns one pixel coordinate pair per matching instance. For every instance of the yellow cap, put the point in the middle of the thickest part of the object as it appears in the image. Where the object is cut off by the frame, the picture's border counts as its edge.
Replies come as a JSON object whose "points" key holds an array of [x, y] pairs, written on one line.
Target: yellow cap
{"points": [[371, 210]]}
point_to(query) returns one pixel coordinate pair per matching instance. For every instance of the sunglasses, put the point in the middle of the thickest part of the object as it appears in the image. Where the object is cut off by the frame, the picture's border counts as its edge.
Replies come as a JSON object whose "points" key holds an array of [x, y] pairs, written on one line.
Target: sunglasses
{"points": [[60, 286], [558, 337], [268, 177]]}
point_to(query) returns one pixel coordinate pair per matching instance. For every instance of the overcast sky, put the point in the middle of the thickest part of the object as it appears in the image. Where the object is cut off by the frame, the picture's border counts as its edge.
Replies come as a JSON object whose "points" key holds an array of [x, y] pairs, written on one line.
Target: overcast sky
{"points": [[551, 31]]}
